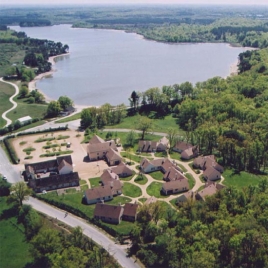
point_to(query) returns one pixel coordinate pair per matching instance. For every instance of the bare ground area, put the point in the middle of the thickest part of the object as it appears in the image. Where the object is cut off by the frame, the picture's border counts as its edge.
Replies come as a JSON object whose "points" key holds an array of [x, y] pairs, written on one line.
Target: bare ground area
{"points": [[81, 165]]}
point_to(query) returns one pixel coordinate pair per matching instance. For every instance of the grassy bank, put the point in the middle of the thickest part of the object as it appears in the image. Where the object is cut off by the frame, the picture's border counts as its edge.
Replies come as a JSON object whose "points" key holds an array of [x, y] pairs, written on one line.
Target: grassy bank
{"points": [[24, 108], [6, 91]]}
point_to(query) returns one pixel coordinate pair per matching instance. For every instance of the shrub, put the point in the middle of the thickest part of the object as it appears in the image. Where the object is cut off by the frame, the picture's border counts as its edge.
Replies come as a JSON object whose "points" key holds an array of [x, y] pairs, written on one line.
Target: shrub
{"points": [[56, 153], [10, 149]]}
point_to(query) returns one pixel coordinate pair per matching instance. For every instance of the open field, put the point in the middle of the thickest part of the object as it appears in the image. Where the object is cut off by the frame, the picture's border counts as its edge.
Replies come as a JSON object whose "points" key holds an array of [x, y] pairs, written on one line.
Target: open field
{"points": [[241, 179], [6, 91], [159, 125], [154, 190], [23, 109], [75, 200], [191, 180], [69, 118], [131, 190], [157, 175], [14, 250]]}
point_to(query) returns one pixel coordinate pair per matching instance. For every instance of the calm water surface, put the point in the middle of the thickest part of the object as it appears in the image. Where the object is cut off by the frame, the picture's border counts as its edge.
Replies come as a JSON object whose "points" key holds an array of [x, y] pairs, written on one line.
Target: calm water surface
{"points": [[107, 65]]}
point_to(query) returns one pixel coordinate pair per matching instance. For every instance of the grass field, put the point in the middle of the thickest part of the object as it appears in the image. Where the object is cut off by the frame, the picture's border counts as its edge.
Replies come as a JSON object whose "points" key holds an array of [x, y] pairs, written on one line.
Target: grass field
{"points": [[157, 175], [131, 190], [182, 167], [14, 250], [191, 180], [94, 182], [175, 155], [159, 125], [141, 180], [127, 178], [241, 179], [75, 201], [23, 109], [6, 91], [154, 190]]}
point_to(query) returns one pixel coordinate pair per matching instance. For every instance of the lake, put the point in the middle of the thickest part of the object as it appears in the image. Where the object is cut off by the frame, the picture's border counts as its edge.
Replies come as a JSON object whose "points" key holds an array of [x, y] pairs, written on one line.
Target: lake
{"points": [[107, 65]]}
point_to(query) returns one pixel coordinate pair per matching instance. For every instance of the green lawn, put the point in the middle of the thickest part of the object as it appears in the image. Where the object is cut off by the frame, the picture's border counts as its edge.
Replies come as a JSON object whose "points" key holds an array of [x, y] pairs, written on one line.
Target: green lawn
{"points": [[157, 175], [6, 91], [142, 200], [241, 179], [119, 199], [191, 180], [94, 182], [127, 178], [175, 155], [131, 190], [14, 250], [69, 118], [154, 190], [159, 125], [131, 157], [161, 154], [81, 182], [23, 109], [141, 179], [182, 167], [173, 202], [75, 201]]}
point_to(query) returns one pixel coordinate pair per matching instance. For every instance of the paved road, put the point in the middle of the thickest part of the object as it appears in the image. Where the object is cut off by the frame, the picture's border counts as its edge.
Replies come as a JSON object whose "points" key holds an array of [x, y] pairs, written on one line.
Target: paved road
{"points": [[11, 100], [7, 169], [116, 250]]}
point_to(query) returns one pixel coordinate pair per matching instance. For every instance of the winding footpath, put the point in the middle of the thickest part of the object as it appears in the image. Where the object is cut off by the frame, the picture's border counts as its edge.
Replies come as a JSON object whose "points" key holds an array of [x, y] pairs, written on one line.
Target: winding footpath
{"points": [[11, 100]]}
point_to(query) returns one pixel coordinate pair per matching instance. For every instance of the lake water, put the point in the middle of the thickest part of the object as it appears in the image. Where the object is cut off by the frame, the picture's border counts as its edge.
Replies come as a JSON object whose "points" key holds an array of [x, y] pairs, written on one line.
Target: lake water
{"points": [[107, 65]]}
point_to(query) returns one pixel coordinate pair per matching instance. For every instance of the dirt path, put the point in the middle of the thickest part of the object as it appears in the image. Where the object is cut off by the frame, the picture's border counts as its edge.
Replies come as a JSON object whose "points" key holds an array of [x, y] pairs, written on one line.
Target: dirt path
{"points": [[11, 100]]}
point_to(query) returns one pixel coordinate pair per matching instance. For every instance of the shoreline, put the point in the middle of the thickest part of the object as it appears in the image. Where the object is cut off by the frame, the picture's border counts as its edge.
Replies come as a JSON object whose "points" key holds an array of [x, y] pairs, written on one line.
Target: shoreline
{"points": [[32, 84], [233, 69]]}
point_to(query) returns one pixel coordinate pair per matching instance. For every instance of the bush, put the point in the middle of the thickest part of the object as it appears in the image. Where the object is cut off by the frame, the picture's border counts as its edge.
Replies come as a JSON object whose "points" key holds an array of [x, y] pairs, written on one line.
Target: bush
{"points": [[10, 149], [43, 131], [56, 153]]}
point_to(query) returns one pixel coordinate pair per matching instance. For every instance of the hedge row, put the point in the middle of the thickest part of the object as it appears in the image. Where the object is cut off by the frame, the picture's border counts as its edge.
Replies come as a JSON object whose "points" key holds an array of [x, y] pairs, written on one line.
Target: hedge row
{"points": [[56, 153], [43, 131], [10, 149], [80, 214], [16, 125]]}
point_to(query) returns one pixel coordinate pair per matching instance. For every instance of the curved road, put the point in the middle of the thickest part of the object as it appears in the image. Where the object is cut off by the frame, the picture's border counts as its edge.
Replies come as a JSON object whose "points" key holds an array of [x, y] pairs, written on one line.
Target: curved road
{"points": [[115, 250], [11, 100]]}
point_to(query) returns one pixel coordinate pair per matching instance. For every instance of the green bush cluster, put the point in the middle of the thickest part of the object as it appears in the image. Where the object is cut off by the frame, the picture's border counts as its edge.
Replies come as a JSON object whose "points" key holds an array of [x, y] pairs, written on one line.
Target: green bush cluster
{"points": [[10, 149], [56, 153]]}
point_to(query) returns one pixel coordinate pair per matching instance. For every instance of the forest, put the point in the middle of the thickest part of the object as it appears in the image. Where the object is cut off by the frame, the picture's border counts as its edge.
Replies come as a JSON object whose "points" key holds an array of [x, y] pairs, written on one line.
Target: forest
{"points": [[229, 229], [33, 53]]}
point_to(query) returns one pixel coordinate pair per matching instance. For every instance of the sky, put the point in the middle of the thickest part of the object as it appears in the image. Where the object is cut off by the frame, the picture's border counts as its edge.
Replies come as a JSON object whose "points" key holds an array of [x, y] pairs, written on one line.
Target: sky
{"points": [[74, 2]]}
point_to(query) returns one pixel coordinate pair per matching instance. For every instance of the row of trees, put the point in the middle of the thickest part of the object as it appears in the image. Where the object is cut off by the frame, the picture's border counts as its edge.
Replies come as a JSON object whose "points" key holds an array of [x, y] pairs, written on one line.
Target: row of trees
{"points": [[227, 230], [97, 118], [224, 116], [247, 32]]}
